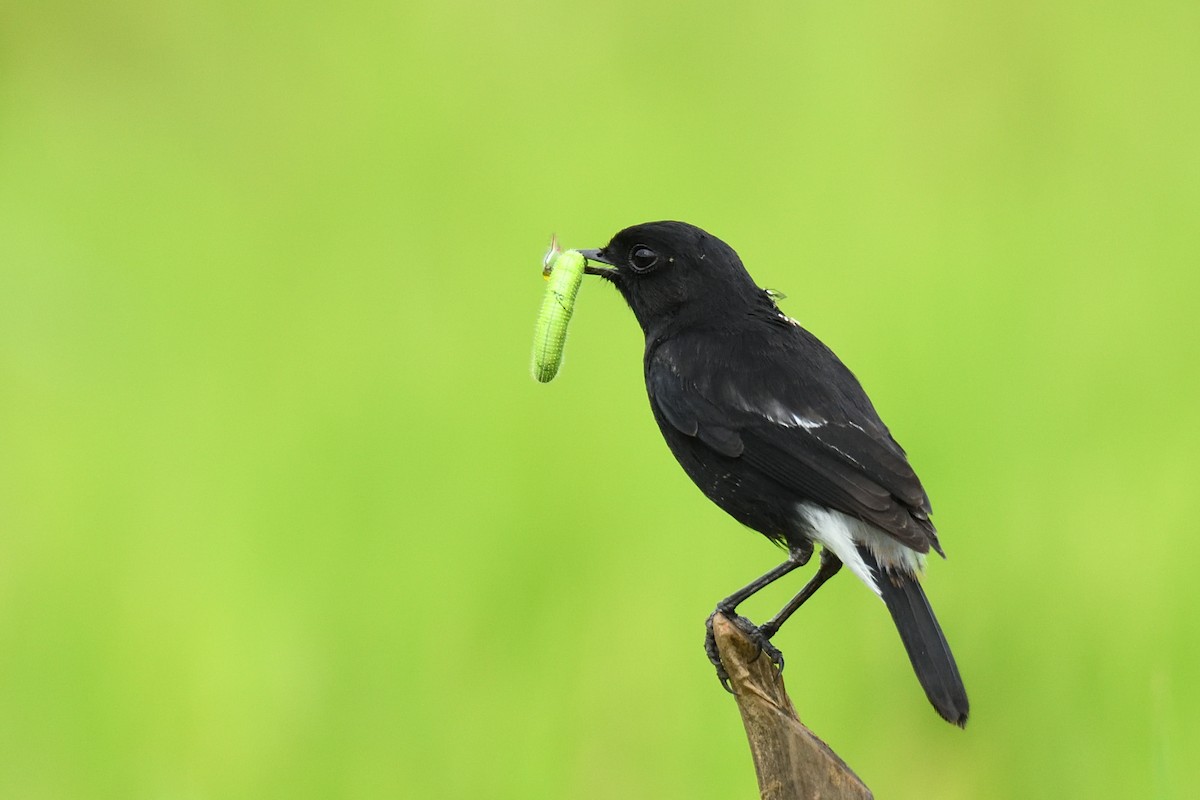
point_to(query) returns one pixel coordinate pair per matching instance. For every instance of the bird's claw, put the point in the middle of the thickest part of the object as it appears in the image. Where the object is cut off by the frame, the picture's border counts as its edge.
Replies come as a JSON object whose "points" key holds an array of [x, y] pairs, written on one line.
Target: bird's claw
{"points": [[752, 631], [714, 654]]}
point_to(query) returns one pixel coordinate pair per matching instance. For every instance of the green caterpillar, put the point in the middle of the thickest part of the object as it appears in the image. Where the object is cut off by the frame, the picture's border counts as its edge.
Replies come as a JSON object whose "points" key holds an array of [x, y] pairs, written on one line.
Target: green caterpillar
{"points": [[564, 271]]}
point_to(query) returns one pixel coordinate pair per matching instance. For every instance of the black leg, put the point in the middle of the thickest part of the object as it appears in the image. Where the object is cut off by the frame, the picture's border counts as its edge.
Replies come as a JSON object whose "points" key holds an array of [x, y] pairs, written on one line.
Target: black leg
{"points": [[798, 558], [730, 604], [830, 564]]}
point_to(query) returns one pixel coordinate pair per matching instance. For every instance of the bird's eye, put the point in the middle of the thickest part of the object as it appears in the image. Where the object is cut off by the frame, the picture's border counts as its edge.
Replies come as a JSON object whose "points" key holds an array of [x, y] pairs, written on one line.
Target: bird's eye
{"points": [[642, 258]]}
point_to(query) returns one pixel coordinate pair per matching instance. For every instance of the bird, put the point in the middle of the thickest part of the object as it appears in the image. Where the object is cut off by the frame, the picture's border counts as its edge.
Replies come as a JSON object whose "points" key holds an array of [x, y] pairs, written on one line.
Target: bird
{"points": [[776, 431]]}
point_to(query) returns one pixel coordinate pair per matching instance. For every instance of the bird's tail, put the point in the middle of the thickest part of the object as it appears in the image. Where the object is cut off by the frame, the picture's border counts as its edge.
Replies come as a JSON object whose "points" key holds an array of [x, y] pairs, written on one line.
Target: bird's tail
{"points": [[923, 639]]}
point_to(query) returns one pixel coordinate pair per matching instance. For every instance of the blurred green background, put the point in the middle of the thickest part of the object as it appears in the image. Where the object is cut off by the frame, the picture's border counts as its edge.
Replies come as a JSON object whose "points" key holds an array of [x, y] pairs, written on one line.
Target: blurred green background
{"points": [[282, 513]]}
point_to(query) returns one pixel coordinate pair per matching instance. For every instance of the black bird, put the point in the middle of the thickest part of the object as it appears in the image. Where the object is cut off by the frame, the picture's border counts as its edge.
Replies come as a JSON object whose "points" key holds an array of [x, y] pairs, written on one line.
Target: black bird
{"points": [[775, 430]]}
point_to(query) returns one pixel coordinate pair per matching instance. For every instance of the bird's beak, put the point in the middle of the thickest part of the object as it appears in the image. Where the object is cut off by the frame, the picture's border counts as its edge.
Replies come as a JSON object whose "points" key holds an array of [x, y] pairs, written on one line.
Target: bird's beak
{"points": [[597, 264]]}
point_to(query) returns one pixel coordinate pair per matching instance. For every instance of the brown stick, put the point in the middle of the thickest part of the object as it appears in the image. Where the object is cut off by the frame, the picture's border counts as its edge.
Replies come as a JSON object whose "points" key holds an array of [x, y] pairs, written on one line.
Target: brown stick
{"points": [[791, 762]]}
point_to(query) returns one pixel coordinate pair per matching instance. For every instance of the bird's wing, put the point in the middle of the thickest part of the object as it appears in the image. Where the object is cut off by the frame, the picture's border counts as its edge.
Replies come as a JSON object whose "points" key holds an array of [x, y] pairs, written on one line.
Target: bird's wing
{"points": [[803, 420]]}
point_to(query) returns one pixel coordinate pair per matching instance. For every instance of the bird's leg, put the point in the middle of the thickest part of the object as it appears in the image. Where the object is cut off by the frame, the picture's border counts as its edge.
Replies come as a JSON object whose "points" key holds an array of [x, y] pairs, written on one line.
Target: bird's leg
{"points": [[830, 564], [728, 607]]}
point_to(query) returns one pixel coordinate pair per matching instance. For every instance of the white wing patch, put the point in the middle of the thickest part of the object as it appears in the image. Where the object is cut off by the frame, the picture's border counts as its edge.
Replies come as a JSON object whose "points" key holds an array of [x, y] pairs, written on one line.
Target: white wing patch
{"points": [[775, 411], [780, 414], [842, 534]]}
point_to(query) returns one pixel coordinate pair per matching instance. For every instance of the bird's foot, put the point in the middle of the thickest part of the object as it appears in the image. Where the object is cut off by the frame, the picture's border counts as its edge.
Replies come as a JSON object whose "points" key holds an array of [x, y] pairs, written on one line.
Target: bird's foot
{"points": [[751, 631]]}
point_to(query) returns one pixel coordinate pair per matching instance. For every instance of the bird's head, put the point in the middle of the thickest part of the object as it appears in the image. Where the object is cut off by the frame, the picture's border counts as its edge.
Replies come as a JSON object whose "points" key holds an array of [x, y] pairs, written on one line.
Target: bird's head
{"points": [[669, 271]]}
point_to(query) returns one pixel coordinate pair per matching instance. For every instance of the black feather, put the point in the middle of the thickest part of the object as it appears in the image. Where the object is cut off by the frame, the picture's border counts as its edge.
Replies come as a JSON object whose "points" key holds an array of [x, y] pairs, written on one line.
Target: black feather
{"points": [[922, 636]]}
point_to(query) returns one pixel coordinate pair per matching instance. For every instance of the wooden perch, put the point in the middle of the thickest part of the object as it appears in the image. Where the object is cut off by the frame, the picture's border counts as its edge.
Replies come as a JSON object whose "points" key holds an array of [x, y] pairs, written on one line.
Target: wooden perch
{"points": [[791, 762]]}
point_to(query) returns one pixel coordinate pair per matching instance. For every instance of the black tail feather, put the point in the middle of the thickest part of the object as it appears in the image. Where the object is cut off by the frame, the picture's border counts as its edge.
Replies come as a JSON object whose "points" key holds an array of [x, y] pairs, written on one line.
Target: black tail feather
{"points": [[923, 639]]}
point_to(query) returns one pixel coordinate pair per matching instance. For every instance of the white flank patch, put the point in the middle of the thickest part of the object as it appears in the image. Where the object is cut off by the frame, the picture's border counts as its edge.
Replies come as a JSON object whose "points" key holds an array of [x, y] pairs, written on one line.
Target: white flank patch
{"points": [[842, 534]]}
